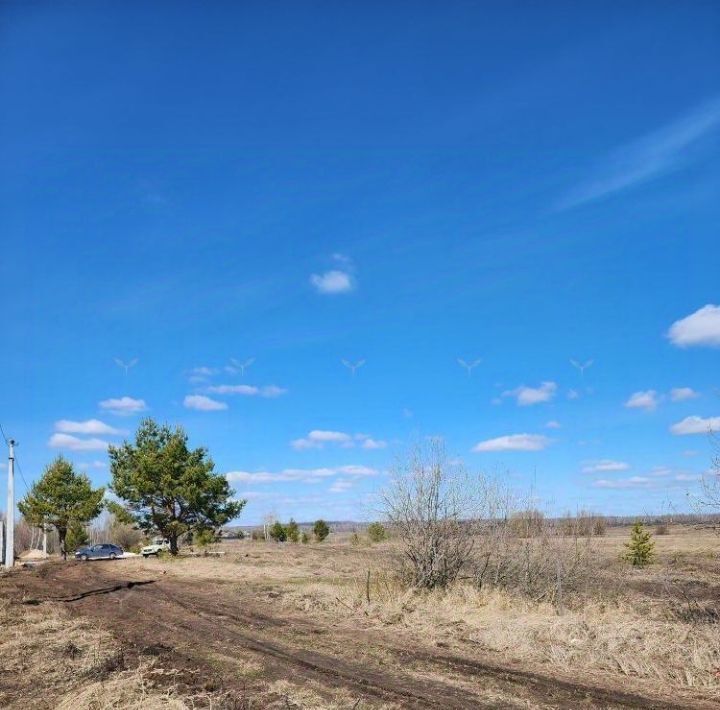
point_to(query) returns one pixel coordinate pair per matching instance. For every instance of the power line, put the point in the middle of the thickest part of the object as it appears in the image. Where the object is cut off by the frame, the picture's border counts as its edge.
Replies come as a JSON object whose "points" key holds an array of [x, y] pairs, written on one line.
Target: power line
{"points": [[27, 488], [3, 434]]}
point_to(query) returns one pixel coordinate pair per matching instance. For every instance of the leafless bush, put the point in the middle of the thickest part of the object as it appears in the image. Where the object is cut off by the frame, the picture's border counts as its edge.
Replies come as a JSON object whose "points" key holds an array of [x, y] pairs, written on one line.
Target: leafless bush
{"points": [[434, 507], [583, 524], [544, 567], [527, 523]]}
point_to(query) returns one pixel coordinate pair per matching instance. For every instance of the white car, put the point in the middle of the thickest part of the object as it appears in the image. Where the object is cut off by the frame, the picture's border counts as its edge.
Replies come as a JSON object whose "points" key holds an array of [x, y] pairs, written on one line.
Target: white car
{"points": [[157, 547]]}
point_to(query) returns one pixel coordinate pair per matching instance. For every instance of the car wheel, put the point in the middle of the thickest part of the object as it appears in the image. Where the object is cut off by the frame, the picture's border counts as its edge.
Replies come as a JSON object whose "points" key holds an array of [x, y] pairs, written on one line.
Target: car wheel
{"points": [[113, 556], [145, 556], [84, 558]]}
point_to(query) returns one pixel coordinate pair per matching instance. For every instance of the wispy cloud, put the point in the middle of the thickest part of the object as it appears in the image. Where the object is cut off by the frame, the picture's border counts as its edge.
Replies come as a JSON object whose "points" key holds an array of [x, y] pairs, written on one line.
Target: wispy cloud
{"points": [[306, 475], [334, 281], [696, 425], [699, 328], [123, 406], [654, 154], [647, 400], [553, 424], [658, 480], [318, 438], [75, 443], [514, 442], [202, 403], [269, 391], [89, 426], [605, 466], [203, 373], [341, 486], [632, 482], [682, 394], [526, 396]]}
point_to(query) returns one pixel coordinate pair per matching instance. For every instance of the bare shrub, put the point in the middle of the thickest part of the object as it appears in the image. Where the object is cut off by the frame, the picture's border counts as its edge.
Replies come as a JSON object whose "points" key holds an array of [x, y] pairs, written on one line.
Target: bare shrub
{"points": [[527, 523], [583, 524], [662, 529], [432, 506]]}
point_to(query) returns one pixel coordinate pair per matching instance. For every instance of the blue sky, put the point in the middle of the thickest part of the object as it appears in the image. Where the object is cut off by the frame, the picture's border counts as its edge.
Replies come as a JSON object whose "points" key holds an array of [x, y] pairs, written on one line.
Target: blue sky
{"points": [[403, 184]]}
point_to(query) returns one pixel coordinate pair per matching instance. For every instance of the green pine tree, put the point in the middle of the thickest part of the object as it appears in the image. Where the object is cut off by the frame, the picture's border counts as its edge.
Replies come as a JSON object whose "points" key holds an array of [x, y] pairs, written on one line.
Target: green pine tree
{"points": [[292, 531], [320, 530], [76, 537], [376, 532], [168, 487], [62, 498], [641, 548], [278, 532]]}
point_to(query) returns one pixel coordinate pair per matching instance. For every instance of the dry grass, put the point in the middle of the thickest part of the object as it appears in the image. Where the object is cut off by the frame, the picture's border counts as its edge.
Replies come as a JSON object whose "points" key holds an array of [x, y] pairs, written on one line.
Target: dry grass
{"points": [[659, 626], [291, 696], [56, 661], [613, 628]]}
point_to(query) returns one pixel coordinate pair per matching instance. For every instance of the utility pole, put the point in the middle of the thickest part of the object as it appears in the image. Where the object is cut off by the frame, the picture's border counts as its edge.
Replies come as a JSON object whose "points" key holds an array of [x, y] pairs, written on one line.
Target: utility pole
{"points": [[44, 539], [10, 513]]}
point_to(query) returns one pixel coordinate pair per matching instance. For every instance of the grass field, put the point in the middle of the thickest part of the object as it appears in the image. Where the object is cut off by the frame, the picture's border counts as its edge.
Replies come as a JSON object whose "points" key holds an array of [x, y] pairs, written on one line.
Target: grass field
{"points": [[332, 625]]}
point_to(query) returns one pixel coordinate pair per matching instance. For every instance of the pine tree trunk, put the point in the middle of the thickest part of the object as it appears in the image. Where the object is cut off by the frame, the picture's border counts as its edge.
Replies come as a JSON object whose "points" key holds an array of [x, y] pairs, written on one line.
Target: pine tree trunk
{"points": [[61, 534]]}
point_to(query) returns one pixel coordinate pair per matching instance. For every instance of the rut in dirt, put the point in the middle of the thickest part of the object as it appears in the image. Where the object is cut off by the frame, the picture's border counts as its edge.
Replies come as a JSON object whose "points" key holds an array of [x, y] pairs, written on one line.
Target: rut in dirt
{"points": [[188, 623]]}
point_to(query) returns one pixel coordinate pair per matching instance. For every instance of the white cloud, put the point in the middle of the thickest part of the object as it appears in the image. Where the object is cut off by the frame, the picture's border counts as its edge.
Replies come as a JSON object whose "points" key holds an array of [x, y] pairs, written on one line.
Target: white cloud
{"points": [[341, 486], [514, 442], [573, 394], [652, 155], [306, 475], [696, 425], [653, 482], [647, 400], [248, 390], [75, 443], [93, 464], [369, 443], [687, 477], [123, 406], [605, 466], [699, 328], [527, 396], [681, 394], [203, 403], [553, 424], [633, 482], [334, 281], [89, 426], [317, 439]]}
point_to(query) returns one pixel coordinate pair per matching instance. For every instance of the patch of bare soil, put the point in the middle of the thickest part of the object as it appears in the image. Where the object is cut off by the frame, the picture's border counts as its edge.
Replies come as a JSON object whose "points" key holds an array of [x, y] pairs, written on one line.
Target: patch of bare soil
{"points": [[227, 637]]}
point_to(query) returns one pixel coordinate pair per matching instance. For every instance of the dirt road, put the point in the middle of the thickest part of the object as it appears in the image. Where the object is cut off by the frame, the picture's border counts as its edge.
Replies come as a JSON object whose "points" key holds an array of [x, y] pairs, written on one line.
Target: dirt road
{"points": [[224, 636]]}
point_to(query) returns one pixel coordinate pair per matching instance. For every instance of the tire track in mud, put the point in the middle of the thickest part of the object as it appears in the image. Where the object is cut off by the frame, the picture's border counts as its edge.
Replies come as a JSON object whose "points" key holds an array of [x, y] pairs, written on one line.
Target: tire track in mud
{"points": [[191, 623]]}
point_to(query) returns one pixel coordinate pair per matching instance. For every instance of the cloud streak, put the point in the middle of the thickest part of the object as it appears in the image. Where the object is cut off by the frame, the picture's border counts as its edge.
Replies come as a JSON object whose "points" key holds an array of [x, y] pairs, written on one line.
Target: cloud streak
{"points": [[318, 438], [269, 391], [605, 466], [88, 427], [514, 442], [75, 443], [651, 156], [305, 475]]}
